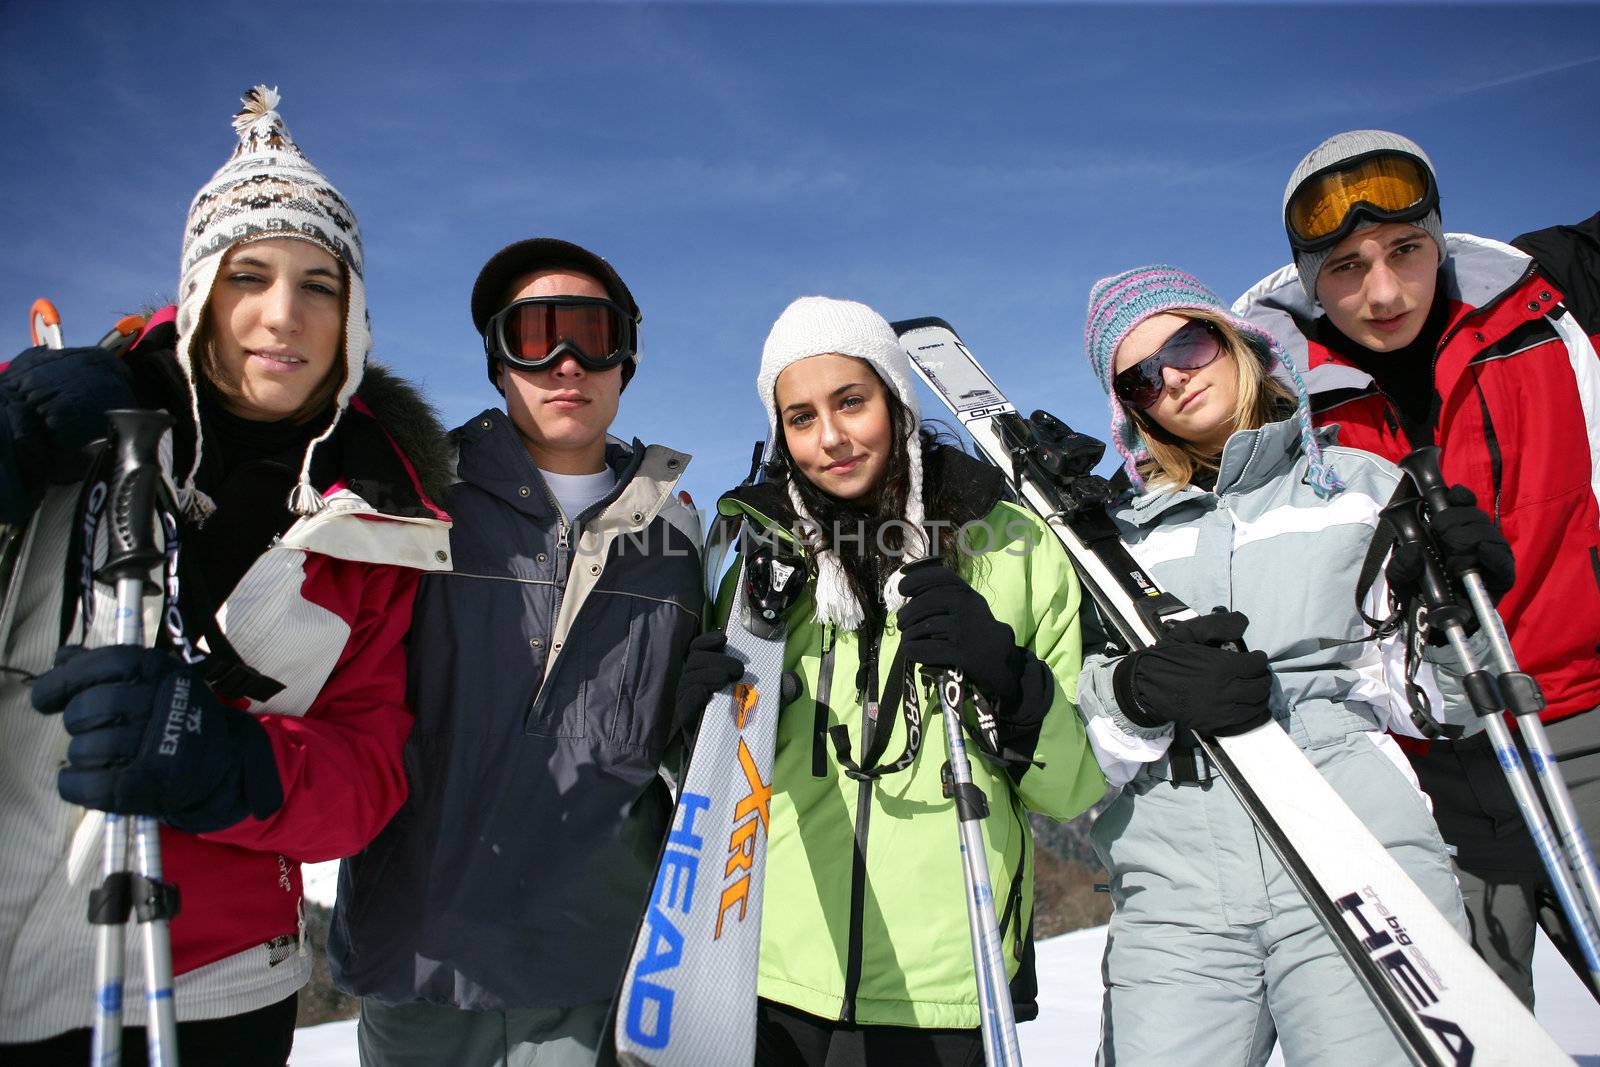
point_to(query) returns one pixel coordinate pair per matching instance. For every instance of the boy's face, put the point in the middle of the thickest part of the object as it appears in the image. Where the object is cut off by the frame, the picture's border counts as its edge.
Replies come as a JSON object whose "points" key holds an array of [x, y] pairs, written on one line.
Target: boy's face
{"points": [[563, 411], [1377, 285]]}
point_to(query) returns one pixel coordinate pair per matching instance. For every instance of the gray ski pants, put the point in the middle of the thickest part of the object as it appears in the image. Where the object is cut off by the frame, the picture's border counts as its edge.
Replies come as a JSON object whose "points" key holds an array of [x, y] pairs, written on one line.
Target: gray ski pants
{"points": [[1212, 954], [431, 1035], [1503, 906]]}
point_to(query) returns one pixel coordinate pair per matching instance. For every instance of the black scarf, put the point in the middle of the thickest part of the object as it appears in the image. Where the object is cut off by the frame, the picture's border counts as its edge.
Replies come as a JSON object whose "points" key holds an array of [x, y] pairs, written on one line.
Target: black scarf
{"points": [[248, 468]]}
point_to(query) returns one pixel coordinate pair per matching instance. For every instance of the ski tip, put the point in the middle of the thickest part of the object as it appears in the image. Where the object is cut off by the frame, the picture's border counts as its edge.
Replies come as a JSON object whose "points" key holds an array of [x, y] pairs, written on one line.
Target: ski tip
{"points": [[905, 326]]}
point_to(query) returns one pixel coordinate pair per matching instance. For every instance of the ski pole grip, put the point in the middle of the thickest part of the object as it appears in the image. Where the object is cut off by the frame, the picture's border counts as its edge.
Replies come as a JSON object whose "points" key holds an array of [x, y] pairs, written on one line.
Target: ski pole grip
{"points": [[1405, 519], [1423, 467], [135, 481]]}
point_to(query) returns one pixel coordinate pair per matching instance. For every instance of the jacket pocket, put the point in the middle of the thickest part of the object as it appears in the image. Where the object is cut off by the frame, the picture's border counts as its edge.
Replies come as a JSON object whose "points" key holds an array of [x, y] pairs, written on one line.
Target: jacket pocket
{"points": [[640, 713]]}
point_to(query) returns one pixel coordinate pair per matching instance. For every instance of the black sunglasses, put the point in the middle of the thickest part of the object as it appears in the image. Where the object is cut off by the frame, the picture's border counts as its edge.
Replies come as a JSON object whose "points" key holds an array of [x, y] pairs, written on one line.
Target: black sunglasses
{"points": [[1196, 344]]}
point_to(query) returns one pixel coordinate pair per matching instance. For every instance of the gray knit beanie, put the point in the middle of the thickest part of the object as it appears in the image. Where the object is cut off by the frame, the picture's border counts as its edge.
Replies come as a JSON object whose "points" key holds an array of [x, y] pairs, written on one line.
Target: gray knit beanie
{"points": [[1335, 150]]}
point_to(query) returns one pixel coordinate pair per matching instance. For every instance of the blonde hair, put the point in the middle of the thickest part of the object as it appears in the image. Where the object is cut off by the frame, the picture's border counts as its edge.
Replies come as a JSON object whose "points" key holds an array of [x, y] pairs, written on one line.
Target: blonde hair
{"points": [[1175, 462]]}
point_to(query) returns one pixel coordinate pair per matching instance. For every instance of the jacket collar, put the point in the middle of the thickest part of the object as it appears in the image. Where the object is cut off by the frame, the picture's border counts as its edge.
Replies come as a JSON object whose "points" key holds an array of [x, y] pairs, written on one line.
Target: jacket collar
{"points": [[491, 455], [1250, 459]]}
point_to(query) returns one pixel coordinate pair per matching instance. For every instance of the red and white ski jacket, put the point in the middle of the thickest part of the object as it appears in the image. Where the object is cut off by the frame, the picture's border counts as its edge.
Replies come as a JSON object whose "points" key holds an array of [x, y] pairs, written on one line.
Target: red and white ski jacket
{"points": [[324, 611], [1518, 393]]}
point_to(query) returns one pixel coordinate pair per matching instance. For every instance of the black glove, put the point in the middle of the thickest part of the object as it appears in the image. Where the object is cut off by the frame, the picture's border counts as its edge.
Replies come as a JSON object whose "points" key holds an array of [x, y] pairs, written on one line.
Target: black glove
{"points": [[946, 623], [1187, 680], [706, 672], [1467, 539], [149, 738], [52, 404]]}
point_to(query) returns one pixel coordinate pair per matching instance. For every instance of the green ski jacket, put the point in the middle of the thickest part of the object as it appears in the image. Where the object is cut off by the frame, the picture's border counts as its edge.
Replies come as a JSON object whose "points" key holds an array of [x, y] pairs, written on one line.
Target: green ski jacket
{"points": [[865, 915]]}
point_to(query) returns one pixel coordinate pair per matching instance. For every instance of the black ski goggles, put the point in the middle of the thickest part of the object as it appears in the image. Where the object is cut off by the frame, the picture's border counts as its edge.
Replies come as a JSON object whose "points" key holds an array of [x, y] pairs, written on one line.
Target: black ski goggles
{"points": [[1196, 344], [536, 332], [1382, 187]]}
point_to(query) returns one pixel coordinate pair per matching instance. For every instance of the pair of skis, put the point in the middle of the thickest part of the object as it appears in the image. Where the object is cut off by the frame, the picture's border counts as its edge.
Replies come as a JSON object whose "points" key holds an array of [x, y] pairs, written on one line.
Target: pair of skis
{"points": [[1443, 1003]]}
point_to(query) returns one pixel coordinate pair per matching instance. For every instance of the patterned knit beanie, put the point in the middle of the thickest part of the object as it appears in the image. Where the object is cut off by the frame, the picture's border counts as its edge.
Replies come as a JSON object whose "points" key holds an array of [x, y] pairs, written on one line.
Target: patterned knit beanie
{"points": [[1336, 150], [1121, 302], [268, 189], [812, 326]]}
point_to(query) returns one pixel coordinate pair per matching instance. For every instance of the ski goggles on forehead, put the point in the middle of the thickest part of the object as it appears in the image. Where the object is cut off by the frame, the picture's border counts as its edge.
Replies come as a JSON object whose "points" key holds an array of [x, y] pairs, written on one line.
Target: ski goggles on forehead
{"points": [[1195, 345], [537, 332], [1384, 187]]}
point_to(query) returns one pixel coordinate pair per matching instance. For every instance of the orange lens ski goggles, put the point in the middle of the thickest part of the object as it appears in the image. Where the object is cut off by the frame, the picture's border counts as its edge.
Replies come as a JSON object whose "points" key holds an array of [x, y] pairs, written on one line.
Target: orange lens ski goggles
{"points": [[1383, 187]]}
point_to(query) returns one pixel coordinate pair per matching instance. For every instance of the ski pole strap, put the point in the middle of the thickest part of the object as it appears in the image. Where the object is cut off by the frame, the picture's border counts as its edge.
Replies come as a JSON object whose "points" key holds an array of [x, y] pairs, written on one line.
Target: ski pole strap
{"points": [[1403, 619], [185, 594], [220, 664], [819, 734], [1378, 549], [900, 691]]}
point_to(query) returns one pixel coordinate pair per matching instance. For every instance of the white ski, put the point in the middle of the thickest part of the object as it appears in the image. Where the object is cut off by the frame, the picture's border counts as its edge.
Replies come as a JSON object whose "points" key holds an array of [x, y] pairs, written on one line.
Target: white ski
{"points": [[688, 996], [1443, 1003]]}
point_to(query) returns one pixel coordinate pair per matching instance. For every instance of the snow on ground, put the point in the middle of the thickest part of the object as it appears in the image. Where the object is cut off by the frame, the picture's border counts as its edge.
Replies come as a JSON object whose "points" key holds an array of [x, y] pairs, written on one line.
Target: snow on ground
{"points": [[321, 882], [1069, 999]]}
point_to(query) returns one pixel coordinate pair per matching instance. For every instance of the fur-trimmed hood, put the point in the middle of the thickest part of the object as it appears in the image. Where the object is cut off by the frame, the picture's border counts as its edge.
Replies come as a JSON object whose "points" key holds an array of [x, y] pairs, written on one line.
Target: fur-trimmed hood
{"points": [[412, 425]]}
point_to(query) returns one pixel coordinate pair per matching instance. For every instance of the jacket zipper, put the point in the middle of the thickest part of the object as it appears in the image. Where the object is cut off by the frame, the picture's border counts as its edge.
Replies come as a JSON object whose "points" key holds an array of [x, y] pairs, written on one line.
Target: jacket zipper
{"points": [[1013, 909], [858, 866], [1492, 441], [563, 544]]}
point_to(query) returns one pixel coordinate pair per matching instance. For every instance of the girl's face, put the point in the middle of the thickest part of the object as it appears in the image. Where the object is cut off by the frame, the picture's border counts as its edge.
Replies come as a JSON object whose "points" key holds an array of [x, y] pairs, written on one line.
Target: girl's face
{"points": [[276, 317], [833, 411], [1196, 406]]}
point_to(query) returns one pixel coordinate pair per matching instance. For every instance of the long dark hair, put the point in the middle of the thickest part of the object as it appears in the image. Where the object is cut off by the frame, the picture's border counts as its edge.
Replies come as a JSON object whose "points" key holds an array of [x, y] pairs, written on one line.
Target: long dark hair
{"points": [[869, 534]]}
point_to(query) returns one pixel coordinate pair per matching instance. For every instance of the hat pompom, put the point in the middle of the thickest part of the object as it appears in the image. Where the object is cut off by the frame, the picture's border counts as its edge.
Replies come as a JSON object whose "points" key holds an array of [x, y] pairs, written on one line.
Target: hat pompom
{"points": [[258, 123], [258, 103]]}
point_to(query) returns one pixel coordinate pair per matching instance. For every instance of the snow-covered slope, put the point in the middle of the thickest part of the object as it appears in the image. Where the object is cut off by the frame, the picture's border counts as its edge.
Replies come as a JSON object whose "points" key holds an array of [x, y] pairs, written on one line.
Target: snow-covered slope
{"points": [[1067, 1029]]}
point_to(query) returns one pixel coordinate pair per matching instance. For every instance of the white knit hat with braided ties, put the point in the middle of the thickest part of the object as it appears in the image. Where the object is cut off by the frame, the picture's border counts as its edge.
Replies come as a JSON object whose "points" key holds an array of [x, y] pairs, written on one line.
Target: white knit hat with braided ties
{"points": [[818, 325]]}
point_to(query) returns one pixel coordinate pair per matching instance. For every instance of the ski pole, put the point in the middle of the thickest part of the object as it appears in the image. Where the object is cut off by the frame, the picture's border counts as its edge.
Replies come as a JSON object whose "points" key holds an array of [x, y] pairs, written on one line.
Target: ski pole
{"points": [[999, 1025], [44, 324], [131, 504], [1447, 615], [1521, 694]]}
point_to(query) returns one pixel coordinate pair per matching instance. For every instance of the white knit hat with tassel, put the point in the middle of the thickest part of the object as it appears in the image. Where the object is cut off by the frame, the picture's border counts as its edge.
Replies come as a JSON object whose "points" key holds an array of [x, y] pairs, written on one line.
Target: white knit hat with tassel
{"points": [[268, 189], [814, 326]]}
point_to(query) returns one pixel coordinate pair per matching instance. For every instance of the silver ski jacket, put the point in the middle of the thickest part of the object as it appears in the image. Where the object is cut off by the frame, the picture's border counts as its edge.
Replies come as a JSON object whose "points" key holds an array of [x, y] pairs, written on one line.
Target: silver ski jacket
{"points": [[1265, 544], [542, 673]]}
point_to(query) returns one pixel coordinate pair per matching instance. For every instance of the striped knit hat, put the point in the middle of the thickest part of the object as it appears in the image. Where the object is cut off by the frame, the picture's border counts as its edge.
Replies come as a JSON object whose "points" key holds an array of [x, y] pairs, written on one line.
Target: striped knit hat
{"points": [[268, 189], [1119, 303]]}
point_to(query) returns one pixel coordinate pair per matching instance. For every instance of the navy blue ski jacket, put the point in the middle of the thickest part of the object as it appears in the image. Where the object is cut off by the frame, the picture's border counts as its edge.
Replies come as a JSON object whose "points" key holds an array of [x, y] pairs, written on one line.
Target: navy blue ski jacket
{"points": [[542, 673]]}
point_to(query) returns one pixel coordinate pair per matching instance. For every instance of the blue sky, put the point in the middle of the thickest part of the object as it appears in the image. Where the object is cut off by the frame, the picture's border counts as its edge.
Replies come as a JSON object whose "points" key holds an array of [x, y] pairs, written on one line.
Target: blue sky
{"points": [[984, 163]]}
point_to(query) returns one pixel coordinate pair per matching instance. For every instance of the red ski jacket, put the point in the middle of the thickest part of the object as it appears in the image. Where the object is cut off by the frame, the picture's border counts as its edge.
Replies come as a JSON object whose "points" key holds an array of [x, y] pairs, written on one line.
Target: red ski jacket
{"points": [[1518, 401], [323, 610]]}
